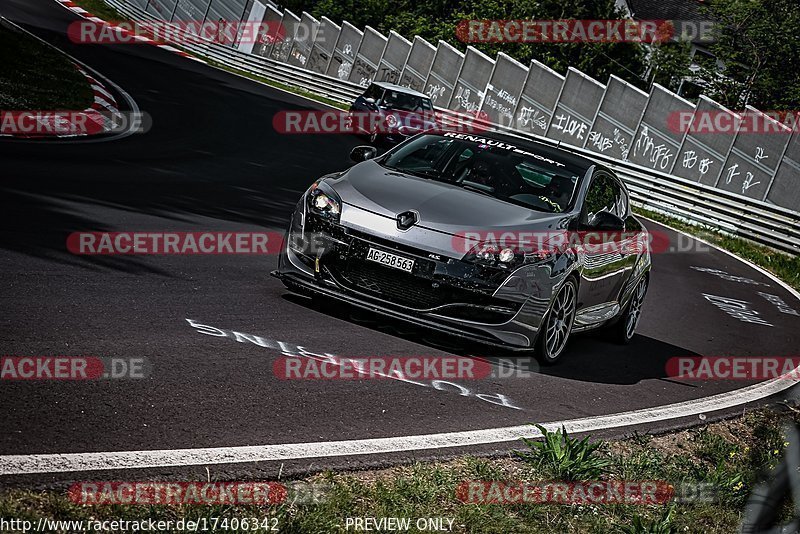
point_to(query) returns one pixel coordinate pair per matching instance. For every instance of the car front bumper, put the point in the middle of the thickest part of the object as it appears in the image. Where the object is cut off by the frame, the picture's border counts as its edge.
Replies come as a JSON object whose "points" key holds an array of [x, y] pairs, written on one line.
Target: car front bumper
{"points": [[440, 293]]}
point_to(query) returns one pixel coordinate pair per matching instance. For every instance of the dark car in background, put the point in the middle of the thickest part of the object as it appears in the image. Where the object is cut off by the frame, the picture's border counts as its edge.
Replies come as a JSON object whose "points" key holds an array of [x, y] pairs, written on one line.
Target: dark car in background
{"points": [[403, 112]]}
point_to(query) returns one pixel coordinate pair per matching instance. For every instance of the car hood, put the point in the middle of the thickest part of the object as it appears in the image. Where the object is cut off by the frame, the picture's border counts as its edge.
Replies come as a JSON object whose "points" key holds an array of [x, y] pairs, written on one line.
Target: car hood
{"points": [[441, 207]]}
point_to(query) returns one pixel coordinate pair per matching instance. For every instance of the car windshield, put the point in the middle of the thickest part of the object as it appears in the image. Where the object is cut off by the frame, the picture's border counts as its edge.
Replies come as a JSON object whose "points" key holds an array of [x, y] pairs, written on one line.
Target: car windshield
{"points": [[485, 165], [406, 102]]}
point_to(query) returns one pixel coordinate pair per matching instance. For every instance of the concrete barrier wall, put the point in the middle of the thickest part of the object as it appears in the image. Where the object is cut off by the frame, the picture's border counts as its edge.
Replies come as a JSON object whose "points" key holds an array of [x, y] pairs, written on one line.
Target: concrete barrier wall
{"points": [[162, 9], [617, 117], [702, 155], [418, 65], [322, 49], [503, 90], [368, 56], [576, 108], [272, 20], [470, 87], [754, 158], [538, 99], [616, 120], [785, 189], [394, 56], [283, 45], [654, 145], [444, 74], [344, 53], [303, 40]]}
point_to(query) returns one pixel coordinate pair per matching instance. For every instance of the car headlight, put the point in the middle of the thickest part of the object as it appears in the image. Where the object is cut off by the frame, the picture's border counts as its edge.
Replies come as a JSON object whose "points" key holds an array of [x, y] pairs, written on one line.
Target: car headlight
{"points": [[323, 201], [506, 255]]}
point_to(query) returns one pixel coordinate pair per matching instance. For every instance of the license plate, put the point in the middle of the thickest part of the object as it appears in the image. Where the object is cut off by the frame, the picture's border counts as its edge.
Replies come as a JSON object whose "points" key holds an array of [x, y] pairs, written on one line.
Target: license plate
{"points": [[390, 260]]}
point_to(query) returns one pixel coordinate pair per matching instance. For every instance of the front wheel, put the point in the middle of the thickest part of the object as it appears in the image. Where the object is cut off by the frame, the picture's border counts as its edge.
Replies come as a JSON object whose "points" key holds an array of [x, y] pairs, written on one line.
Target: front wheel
{"points": [[557, 324]]}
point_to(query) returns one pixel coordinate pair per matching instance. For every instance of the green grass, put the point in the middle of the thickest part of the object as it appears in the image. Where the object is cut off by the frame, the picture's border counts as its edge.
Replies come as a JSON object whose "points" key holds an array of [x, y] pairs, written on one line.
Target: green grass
{"points": [[729, 454], [99, 8], [35, 76], [784, 266], [561, 457]]}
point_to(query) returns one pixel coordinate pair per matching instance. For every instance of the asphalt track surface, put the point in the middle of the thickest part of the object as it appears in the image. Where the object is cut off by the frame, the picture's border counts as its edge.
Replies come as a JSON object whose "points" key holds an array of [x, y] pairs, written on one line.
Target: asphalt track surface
{"points": [[213, 162]]}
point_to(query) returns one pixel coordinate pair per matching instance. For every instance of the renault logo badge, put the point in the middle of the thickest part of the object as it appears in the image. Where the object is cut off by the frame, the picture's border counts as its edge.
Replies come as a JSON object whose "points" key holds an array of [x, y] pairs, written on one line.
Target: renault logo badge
{"points": [[406, 220]]}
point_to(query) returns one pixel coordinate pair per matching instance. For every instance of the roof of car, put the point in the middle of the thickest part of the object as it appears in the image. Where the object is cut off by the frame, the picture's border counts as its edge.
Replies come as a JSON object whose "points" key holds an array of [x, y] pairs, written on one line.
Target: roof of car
{"points": [[400, 88], [555, 153]]}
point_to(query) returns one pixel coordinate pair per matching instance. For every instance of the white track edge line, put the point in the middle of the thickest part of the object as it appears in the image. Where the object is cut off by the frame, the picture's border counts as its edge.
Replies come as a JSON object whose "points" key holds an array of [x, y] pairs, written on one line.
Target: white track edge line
{"points": [[98, 461]]}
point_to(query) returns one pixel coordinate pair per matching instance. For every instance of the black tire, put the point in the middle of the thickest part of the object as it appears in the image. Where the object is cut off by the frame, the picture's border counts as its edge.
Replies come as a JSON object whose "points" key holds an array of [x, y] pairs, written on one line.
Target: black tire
{"points": [[557, 324], [623, 330]]}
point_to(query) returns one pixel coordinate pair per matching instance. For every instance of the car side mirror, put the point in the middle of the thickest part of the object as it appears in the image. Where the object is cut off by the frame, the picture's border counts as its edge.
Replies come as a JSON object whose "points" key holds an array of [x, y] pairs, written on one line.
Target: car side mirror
{"points": [[604, 220], [369, 101], [363, 153]]}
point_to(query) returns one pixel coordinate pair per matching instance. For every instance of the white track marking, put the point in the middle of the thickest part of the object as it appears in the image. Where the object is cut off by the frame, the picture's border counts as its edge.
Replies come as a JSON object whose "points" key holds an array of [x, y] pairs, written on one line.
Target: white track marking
{"points": [[750, 264], [98, 461]]}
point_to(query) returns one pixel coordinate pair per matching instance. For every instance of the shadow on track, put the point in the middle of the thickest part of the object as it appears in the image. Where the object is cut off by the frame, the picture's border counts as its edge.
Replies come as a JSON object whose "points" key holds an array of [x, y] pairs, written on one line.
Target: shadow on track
{"points": [[211, 161], [589, 357]]}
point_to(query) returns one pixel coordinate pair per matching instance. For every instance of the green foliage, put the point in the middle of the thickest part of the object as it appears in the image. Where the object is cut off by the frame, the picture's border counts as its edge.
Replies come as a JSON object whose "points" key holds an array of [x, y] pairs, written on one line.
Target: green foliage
{"points": [[660, 525], [758, 44], [669, 64], [563, 457], [36, 76], [437, 19]]}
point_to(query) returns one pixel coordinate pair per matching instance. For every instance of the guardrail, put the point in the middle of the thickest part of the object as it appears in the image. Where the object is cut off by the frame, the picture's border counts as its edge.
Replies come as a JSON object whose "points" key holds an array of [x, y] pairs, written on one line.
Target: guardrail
{"points": [[693, 202]]}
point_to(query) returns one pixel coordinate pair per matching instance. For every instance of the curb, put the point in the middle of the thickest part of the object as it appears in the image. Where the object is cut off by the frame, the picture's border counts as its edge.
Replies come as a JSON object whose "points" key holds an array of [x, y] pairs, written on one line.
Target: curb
{"points": [[99, 114]]}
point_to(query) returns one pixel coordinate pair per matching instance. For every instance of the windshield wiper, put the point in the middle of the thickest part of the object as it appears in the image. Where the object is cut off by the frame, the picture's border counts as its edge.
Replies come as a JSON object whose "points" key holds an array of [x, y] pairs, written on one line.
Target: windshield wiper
{"points": [[422, 173], [477, 189]]}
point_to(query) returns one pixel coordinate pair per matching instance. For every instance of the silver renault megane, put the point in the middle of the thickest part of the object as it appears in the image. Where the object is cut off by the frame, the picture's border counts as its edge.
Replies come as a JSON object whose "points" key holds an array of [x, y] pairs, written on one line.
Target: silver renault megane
{"points": [[503, 241]]}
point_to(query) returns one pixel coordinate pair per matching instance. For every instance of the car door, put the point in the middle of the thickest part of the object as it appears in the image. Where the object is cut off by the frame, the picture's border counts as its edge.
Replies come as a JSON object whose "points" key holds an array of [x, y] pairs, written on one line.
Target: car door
{"points": [[606, 252]]}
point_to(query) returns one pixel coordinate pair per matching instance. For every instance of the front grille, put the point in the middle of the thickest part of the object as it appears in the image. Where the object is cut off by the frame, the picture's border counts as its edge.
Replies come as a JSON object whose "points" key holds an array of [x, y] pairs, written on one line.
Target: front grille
{"points": [[424, 288], [394, 285], [406, 289]]}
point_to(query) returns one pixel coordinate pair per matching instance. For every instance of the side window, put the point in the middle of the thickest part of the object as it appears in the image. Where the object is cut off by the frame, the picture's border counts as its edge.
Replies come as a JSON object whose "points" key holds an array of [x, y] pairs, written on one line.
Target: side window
{"points": [[374, 92], [605, 194], [622, 204]]}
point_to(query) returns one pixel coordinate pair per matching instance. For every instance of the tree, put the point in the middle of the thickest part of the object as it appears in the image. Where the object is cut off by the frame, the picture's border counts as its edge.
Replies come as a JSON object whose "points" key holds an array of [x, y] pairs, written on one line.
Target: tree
{"points": [[438, 19], [757, 41]]}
